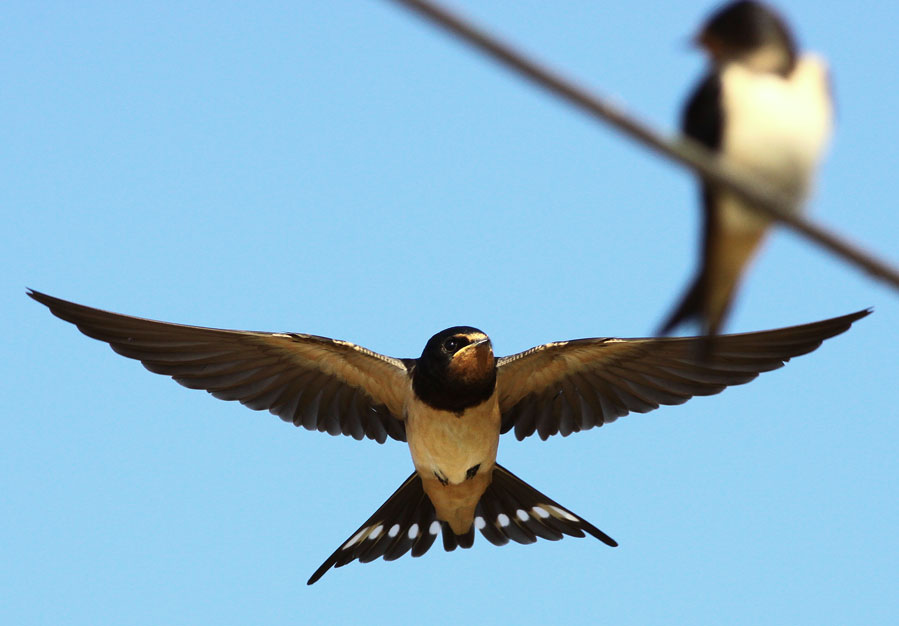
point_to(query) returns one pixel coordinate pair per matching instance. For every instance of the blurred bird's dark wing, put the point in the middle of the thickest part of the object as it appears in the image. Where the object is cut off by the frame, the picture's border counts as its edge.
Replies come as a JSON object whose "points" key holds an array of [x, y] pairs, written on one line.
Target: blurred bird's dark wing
{"points": [[703, 117], [315, 382], [571, 386], [702, 121]]}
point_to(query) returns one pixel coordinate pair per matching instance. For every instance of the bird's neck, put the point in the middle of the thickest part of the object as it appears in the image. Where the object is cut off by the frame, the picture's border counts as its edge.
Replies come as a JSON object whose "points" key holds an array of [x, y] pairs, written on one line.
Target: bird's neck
{"points": [[440, 390]]}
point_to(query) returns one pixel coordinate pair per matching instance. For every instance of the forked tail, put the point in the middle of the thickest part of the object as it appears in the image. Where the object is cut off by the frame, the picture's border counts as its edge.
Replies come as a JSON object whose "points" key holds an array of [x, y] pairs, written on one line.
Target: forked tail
{"points": [[509, 509]]}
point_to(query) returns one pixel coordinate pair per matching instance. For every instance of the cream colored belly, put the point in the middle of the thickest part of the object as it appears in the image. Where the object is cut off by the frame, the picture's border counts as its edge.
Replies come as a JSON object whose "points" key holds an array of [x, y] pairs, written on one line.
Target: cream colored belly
{"points": [[446, 445], [777, 127]]}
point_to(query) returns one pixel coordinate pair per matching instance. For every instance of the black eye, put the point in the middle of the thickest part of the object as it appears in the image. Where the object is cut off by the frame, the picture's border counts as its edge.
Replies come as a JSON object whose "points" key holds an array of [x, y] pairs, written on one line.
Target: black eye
{"points": [[452, 344]]}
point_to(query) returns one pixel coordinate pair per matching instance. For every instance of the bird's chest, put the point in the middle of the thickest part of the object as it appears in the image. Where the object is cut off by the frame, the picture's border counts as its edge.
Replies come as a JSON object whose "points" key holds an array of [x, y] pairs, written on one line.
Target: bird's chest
{"points": [[447, 444], [777, 126]]}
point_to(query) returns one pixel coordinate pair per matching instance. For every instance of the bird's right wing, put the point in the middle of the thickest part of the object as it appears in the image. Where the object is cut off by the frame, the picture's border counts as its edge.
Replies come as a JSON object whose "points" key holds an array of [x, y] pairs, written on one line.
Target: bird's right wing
{"points": [[315, 382]]}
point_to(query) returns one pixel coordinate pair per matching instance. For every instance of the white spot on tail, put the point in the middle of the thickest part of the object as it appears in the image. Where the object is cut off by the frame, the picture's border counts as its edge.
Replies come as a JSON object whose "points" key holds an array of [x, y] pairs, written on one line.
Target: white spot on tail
{"points": [[563, 513], [502, 519], [479, 522], [434, 528], [394, 530], [413, 531], [357, 537], [522, 515]]}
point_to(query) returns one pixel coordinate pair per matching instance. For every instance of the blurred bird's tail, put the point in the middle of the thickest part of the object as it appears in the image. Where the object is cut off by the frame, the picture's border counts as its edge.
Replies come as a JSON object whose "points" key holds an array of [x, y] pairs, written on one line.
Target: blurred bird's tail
{"points": [[709, 298], [508, 509], [708, 312], [690, 307]]}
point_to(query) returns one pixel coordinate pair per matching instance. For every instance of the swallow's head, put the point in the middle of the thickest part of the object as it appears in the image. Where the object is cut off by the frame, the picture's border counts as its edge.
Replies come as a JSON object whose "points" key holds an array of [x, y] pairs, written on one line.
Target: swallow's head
{"points": [[456, 369], [749, 33]]}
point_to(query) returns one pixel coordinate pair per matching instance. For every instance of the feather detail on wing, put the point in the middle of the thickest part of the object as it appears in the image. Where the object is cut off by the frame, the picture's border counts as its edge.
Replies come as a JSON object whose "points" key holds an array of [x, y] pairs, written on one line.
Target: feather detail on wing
{"points": [[315, 382], [570, 386]]}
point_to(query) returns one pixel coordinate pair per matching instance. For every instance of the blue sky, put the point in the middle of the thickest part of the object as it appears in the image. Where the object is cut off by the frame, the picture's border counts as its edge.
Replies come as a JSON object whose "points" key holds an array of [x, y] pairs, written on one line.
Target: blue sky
{"points": [[343, 169]]}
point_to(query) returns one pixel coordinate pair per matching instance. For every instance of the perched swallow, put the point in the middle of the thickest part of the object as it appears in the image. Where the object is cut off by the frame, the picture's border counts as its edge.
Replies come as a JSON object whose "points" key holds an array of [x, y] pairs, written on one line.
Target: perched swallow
{"points": [[766, 109], [451, 405]]}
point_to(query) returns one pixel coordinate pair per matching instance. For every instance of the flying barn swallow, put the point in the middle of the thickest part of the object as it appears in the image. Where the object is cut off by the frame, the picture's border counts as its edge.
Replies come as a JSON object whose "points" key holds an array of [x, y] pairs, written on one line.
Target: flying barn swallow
{"points": [[451, 405], [763, 108]]}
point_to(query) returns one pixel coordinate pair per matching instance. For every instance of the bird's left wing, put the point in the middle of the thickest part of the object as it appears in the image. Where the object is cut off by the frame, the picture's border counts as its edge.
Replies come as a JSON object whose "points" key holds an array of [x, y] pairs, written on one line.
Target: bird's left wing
{"points": [[570, 386], [319, 383]]}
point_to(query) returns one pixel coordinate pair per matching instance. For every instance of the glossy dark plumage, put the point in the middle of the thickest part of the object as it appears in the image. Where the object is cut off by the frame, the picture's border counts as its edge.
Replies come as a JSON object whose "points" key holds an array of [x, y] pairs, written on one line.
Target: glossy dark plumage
{"points": [[340, 388]]}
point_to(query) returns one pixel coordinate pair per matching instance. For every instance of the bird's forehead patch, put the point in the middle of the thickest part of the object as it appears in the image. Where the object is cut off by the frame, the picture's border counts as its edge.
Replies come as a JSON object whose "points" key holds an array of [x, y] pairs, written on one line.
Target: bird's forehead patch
{"points": [[470, 336]]}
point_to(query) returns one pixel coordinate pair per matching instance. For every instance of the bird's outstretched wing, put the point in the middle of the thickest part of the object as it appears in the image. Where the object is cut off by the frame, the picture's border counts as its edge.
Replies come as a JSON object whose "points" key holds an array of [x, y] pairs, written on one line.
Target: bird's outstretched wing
{"points": [[315, 382], [571, 386]]}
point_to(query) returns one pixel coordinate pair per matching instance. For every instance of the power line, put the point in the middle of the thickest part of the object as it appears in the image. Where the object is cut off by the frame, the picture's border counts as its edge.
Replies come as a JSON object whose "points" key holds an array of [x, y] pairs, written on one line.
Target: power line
{"points": [[761, 195]]}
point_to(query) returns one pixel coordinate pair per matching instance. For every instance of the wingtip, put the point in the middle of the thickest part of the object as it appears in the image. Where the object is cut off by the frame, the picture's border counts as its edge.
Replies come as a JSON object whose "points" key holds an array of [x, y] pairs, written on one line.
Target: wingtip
{"points": [[38, 296], [850, 318]]}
